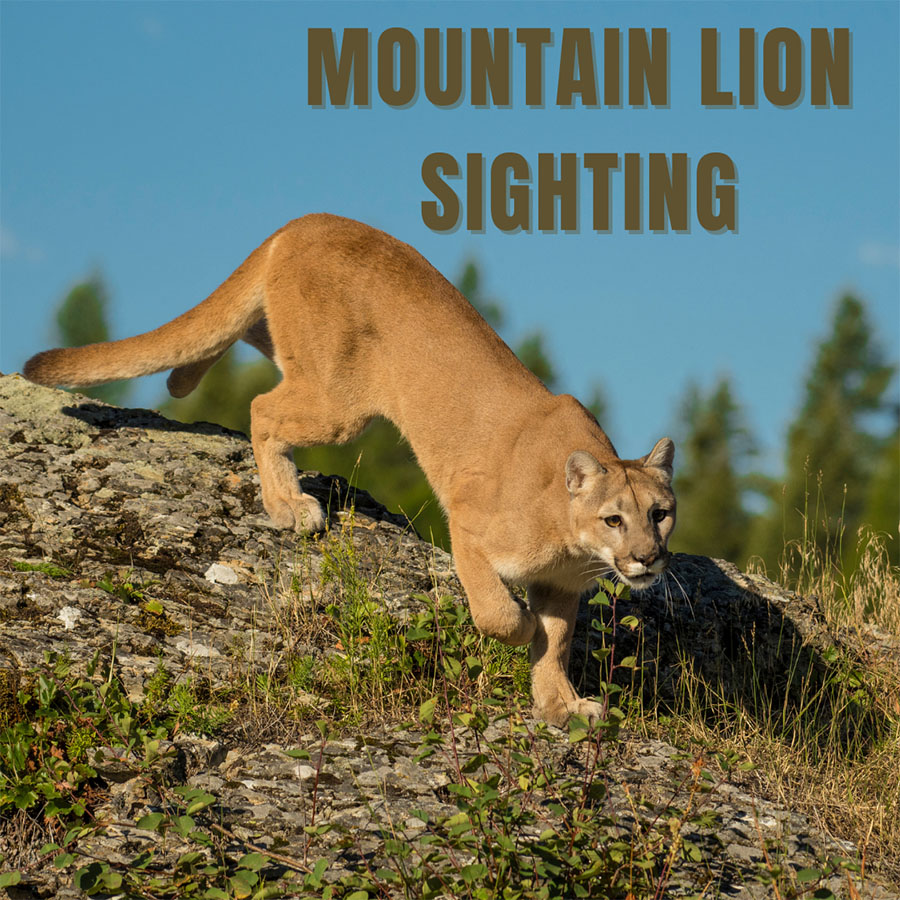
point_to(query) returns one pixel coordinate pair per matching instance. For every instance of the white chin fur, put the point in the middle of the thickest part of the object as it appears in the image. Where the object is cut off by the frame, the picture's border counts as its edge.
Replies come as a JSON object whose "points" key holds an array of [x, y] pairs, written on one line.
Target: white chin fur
{"points": [[639, 582]]}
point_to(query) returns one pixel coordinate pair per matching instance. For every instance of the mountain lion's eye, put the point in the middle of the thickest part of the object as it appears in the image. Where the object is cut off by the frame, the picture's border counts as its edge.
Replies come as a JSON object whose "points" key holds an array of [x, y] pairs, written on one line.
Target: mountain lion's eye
{"points": [[659, 514], [613, 521]]}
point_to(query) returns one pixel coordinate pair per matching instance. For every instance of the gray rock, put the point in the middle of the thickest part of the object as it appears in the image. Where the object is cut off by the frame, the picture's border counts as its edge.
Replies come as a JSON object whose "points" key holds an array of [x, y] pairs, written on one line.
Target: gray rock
{"points": [[142, 514]]}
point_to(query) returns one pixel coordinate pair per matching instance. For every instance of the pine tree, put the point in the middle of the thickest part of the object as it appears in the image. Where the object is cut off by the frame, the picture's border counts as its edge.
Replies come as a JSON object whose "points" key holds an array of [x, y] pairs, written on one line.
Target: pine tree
{"points": [[832, 450], [882, 508], [532, 351], [469, 285], [80, 320], [598, 405], [709, 483]]}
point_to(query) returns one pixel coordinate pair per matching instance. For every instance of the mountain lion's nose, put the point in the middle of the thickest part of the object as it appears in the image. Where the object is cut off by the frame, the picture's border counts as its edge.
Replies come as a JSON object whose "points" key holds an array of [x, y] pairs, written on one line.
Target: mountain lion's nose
{"points": [[647, 560]]}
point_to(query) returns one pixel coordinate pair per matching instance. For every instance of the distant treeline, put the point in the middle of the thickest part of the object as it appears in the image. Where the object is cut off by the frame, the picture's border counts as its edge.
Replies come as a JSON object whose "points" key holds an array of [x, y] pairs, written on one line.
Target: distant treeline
{"points": [[841, 475]]}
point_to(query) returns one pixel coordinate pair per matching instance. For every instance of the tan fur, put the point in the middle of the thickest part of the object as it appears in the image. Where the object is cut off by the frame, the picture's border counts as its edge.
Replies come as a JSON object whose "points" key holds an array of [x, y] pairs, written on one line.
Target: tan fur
{"points": [[361, 325]]}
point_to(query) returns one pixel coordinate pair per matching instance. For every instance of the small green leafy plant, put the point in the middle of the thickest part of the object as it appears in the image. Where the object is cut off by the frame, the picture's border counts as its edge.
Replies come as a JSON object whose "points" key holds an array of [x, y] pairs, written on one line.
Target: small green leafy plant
{"points": [[524, 826]]}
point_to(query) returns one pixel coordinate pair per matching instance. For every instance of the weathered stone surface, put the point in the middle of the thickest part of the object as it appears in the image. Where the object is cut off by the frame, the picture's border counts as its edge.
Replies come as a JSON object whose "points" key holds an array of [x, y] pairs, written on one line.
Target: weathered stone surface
{"points": [[166, 512]]}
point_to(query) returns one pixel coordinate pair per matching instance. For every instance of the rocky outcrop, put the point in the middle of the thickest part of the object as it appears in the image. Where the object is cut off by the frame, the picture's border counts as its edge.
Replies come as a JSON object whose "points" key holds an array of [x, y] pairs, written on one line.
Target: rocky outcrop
{"points": [[125, 533]]}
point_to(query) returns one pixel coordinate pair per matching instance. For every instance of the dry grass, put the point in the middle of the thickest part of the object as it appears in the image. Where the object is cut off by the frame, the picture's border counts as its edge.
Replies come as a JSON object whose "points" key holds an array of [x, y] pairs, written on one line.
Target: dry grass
{"points": [[845, 780], [858, 798], [872, 592], [343, 658]]}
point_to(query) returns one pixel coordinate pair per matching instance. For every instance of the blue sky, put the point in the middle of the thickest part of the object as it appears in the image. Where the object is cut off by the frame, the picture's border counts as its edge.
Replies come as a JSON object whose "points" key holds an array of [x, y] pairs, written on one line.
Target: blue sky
{"points": [[161, 142]]}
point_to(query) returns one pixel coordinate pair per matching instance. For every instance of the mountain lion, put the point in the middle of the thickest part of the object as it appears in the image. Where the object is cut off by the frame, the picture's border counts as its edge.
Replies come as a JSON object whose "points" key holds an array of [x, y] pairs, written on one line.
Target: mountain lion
{"points": [[361, 325]]}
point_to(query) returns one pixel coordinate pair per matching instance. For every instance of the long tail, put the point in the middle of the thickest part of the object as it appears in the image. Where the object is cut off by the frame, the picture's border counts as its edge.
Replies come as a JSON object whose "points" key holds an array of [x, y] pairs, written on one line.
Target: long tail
{"points": [[202, 332]]}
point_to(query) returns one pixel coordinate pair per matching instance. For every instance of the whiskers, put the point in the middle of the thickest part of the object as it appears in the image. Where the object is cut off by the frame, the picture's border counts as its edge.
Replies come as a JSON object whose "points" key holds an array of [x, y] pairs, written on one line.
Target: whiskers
{"points": [[667, 584], [597, 568], [670, 580]]}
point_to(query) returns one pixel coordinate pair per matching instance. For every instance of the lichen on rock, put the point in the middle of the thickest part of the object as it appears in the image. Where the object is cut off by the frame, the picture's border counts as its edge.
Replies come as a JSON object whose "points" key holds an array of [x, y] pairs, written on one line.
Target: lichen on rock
{"points": [[145, 540]]}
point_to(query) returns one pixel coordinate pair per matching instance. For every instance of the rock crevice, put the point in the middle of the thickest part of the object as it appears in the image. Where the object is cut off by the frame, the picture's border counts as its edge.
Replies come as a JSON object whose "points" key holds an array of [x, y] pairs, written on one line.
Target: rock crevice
{"points": [[124, 533]]}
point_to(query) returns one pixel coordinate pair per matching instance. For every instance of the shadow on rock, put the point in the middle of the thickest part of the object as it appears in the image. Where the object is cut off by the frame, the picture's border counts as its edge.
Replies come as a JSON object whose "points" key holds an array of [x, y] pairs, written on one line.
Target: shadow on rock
{"points": [[332, 491], [724, 644], [114, 417]]}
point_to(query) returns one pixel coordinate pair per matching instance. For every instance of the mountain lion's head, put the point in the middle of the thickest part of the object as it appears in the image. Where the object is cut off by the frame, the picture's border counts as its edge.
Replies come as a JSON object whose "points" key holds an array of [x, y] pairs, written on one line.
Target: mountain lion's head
{"points": [[624, 511]]}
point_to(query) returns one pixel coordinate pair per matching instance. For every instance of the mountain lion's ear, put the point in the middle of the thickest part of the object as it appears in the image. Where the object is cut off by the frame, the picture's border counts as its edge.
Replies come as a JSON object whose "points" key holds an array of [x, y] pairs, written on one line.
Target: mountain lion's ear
{"points": [[660, 457], [580, 467]]}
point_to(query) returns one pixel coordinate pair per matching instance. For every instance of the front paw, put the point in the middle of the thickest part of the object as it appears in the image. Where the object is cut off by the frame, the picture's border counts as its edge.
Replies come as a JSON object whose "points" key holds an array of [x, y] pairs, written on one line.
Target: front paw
{"points": [[558, 712], [590, 709], [302, 514]]}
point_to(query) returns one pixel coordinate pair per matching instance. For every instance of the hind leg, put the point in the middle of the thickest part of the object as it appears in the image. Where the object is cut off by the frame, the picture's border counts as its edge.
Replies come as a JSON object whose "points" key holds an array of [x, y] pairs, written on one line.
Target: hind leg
{"points": [[183, 379], [258, 336], [286, 417]]}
